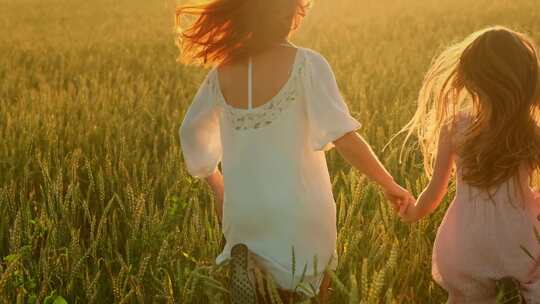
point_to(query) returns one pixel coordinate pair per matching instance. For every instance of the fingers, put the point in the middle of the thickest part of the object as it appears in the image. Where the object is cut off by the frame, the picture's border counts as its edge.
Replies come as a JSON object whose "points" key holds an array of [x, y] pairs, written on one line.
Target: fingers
{"points": [[401, 205], [411, 200], [397, 205], [402, 212], [400, 201]]}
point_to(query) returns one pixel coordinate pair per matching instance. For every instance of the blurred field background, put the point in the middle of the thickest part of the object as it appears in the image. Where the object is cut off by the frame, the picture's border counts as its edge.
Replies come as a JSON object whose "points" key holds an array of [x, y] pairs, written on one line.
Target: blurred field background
{"points": [[95, 203]]}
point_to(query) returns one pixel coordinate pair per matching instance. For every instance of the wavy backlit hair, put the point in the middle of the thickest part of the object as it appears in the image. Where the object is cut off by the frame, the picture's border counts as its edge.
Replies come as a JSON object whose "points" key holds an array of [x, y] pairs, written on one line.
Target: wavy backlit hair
{"points": [[229, 30], [492, 78]]}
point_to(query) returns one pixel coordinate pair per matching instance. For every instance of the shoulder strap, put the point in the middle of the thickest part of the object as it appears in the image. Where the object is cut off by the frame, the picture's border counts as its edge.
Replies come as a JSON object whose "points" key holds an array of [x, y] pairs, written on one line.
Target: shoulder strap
{"points": [[250, 84]]}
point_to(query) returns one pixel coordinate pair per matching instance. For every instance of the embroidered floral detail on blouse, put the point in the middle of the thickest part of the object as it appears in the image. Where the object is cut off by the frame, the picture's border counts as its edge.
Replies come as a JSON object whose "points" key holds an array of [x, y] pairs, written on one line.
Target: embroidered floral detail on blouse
{"points": [[265, 115]]}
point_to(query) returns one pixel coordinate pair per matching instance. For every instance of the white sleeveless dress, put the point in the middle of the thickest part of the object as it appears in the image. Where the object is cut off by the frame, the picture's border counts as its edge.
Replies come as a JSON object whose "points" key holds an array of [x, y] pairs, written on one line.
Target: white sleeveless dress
{"points": [[278, 194]]}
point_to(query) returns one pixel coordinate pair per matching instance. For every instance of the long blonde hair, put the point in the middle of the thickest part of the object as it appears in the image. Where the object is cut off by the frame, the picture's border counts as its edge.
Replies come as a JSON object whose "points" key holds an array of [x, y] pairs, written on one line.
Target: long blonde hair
{"points": [[491, 77]]}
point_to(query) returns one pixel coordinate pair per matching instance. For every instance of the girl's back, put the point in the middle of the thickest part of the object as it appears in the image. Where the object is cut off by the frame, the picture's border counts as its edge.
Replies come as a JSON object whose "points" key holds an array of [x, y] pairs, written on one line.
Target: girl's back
{"points": [[486, 237], [477, 111], [488, 233], [271, 71], [514, 191], [278, 196], [267, 112]]}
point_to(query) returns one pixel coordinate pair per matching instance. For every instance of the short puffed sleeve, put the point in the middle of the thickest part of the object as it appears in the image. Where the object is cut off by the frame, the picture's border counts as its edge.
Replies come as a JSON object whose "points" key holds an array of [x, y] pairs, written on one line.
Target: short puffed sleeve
{"points": [[327, 113], [200, 135]]}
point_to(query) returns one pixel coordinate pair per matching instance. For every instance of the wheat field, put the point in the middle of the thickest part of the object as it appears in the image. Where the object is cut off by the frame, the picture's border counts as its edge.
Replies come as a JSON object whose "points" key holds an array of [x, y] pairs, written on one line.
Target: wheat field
{"points": [[95, 203]]}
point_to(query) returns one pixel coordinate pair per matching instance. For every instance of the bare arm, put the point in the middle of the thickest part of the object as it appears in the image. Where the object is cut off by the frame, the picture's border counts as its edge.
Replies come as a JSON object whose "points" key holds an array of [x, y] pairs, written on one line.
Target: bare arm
{"points": [[215, 181], [356, 151], [437, 188]]}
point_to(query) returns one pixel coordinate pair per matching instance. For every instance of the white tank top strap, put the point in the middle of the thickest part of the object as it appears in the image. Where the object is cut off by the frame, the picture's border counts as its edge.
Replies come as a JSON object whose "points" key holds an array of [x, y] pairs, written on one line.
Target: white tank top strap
{"points": [[250, 76], [250, 84]]}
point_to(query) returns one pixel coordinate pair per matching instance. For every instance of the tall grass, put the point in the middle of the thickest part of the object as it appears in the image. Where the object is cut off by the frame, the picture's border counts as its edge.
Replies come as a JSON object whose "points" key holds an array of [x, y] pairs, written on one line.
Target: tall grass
{"points": [[95, 203]]}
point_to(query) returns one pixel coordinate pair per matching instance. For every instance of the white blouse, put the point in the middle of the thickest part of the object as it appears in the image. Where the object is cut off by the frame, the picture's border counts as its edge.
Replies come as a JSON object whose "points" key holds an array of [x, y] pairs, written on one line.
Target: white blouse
{"points": [[278, 194]]}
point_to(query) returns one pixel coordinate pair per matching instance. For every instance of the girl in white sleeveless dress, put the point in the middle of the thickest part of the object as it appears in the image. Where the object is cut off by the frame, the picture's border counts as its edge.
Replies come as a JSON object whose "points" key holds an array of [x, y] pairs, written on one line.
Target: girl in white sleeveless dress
{"points": [[277, 193]]}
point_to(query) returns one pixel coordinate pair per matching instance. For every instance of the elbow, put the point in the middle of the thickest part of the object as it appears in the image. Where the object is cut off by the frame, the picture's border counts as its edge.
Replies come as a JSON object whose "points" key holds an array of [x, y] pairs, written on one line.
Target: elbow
{"points": [[345, 139], [347, 143]]}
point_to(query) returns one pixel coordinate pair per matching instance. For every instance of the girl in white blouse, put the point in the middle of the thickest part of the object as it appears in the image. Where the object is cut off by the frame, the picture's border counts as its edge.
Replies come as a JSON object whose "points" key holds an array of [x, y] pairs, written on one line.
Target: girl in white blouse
{"points": [[267, 112]]}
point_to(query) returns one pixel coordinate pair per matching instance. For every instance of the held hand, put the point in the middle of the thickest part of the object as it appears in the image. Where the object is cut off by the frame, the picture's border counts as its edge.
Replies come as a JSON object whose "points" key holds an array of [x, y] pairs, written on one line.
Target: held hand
{"points": [[398, 197], [408, 213]]}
